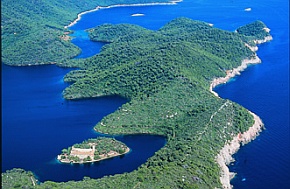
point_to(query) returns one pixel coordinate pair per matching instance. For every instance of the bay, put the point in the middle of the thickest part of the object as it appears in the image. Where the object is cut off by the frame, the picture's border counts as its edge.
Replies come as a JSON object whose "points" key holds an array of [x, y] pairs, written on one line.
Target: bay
{"points": [[37, 123]]}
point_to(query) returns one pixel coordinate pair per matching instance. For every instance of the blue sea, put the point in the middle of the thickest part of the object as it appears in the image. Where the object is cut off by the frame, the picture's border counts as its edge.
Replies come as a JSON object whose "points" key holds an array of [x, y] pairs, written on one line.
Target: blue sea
{"points": [[37, 123]]}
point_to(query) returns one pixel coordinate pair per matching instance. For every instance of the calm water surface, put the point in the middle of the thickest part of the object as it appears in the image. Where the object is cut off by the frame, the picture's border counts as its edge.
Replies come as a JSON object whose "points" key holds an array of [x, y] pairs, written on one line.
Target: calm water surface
{"points": [[38, 122]]}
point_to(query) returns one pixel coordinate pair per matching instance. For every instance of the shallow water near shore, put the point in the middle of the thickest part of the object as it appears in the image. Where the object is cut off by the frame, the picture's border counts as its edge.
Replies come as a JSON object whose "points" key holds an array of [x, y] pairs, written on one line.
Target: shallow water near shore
{"points": [[37, 122]]}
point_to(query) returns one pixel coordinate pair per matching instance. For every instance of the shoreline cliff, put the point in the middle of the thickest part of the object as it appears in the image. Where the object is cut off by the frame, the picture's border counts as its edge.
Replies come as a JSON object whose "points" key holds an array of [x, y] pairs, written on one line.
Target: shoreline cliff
{"points": [[224, 156]]}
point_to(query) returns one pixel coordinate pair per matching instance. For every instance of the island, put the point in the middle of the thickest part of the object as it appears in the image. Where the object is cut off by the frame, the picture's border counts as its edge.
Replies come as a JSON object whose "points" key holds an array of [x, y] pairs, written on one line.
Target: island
{"points": [[168, 77], [93, 150], [137, 14]]}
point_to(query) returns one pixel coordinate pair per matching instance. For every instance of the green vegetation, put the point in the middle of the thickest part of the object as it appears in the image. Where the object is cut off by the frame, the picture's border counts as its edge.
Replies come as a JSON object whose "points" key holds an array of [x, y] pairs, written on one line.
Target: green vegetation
{"points": [[32, 31], [111, 33], [83, 145], [105, 145], [93, 150], [141, 62], [257, 30], [18, 178], [166, 75]]}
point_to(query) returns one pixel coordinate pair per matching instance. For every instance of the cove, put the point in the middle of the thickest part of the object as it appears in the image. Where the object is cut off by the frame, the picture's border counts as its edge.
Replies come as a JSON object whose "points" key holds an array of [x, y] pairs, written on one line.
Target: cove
{"points": [[37, 123]]}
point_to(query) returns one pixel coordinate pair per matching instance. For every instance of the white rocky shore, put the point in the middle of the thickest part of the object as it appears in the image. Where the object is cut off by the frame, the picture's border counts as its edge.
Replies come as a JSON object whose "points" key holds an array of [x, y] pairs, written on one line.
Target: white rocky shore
{"points": [[173, 2], [234, 72], [224, 157]]}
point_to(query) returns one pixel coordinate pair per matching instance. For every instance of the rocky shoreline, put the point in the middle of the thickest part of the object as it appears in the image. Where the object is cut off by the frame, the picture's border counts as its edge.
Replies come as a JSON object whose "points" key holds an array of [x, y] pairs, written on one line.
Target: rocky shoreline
{"points": [[173, 2], [234, 72], [224, 156]]}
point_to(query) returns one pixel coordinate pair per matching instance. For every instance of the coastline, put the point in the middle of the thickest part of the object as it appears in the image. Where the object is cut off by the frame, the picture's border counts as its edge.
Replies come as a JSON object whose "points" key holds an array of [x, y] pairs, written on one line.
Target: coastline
{"points": [[234, 72], [173, 2], [224, 156], [29, 64], [244, 64]]}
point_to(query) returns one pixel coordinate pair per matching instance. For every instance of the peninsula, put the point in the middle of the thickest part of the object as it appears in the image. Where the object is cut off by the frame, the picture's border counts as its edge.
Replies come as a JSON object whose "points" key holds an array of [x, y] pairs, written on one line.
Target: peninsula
{"points": [[166, 75]]}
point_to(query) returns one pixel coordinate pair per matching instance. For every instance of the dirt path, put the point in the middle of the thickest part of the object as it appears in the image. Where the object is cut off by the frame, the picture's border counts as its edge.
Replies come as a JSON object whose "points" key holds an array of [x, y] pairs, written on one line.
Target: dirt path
{"points": [[210, 120], [32, 180]]}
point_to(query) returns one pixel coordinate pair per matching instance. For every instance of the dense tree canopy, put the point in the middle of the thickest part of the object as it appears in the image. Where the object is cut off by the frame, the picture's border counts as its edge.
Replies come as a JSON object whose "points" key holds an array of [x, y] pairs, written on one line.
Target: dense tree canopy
{"points": [[165, 74], [32, 31]]}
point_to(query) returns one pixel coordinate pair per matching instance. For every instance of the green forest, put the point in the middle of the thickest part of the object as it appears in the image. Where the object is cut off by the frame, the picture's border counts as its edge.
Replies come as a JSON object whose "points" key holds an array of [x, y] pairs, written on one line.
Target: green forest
{"points": [[165, 75], [253, 29], [33, 33]]}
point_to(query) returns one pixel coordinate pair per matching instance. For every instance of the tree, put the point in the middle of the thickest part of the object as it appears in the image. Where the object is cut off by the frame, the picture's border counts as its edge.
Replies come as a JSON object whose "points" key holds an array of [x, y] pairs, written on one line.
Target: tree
{"points": [[97, 157], [88, 158], [121, 151], [64, 151]]}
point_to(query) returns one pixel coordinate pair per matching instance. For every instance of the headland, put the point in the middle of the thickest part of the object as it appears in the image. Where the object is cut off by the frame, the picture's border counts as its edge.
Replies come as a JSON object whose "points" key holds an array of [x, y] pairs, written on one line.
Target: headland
{"points": [[224, 157]]}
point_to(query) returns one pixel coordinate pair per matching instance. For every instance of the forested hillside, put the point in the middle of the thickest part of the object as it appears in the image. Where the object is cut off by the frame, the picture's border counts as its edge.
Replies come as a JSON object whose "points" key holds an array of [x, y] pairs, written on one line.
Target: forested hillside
{"points": [[143, 62], [165, 74], [32, 31], [253, 30]]}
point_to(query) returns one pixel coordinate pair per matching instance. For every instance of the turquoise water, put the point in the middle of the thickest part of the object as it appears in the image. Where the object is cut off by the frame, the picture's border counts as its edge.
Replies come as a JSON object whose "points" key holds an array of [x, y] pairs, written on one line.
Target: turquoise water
{"points": [[263, 88]]}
